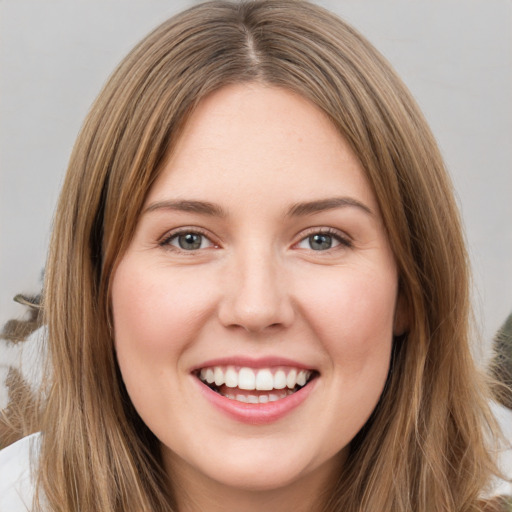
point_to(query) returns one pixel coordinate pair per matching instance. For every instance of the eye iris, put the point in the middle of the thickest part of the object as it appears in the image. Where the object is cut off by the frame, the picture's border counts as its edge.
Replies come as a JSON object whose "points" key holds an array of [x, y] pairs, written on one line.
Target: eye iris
{"points": [[320, 242], [190, 241]]}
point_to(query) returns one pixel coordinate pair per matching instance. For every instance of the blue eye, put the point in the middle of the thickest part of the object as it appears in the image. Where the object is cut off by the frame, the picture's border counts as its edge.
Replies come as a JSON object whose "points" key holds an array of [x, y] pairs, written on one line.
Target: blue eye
{"points": [[188, 241], [322, 241]]}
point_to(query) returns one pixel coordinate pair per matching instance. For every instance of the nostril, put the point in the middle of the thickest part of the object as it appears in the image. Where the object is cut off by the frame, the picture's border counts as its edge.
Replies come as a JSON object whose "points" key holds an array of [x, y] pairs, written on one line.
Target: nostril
{"points": [[256, 297], [256, 319]]}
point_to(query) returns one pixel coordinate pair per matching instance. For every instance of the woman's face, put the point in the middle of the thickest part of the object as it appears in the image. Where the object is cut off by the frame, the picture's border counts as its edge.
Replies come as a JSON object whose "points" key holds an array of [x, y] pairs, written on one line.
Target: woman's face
{"points": [[254, 308]]}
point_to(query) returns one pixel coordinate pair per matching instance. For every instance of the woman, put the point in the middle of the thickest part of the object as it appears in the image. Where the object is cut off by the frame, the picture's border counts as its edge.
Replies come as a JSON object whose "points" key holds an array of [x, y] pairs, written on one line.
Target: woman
{"points": [[257, 288]]}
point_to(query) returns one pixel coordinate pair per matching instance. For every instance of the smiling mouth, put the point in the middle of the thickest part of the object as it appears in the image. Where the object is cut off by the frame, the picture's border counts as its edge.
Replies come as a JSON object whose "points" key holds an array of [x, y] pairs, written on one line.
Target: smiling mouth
{"points": [[255, 386]]}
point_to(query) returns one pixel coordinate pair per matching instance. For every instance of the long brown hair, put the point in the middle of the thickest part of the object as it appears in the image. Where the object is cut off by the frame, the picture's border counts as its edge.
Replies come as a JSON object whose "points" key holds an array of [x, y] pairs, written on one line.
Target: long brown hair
{"points": [[425, 446]]}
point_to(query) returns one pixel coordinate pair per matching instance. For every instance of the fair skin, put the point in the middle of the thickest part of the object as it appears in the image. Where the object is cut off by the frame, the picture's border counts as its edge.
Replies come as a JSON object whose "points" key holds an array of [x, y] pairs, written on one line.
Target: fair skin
{"points": [[260, 257]]}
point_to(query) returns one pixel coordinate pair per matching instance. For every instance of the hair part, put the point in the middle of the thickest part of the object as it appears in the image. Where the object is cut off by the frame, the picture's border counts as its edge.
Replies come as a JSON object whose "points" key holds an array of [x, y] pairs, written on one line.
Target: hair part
{"points": [[425, 446]]}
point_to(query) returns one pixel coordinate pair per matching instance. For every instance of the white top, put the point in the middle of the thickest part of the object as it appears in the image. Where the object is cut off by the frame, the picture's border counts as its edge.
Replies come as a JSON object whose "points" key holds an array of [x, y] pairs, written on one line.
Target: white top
{"points": [[16, 482], [504, 417]]}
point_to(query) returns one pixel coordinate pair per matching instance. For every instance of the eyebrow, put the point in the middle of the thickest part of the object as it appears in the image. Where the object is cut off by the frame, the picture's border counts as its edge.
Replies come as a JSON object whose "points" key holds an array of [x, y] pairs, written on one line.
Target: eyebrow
{"points": [[201, 207], [296, 210], [321, 205]]}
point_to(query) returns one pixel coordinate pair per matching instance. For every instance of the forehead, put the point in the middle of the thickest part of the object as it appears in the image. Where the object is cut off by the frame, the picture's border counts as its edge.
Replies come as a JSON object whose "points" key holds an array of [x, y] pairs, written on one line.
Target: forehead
{"points": [[255, 141]]}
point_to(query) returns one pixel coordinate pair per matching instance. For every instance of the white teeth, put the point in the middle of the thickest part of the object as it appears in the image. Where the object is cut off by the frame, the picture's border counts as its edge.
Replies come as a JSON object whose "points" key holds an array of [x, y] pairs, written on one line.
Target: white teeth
{"points": [[210, 376], [264, 380], [246, 379], [301, 378], [231, 377], [291, 380], [261, 399], [280, 380], [219, 376]]}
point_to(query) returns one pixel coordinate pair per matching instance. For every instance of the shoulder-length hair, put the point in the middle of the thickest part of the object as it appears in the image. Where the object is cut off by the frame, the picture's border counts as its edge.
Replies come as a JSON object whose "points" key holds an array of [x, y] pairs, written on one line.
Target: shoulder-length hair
{"points": [[424, 448]]}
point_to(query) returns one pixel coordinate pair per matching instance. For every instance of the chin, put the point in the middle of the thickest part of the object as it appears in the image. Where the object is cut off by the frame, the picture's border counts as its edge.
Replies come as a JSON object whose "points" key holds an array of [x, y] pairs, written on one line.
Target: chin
{"points": [[261, 469]]}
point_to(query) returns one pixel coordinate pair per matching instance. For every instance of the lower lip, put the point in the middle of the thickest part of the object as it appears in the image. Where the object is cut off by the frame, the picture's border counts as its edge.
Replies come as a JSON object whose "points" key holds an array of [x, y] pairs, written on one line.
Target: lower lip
{"points": [[257, 414]]}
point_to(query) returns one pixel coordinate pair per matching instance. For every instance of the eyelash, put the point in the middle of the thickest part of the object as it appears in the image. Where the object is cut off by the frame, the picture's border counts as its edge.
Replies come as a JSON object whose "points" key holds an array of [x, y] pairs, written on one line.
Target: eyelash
{"points": [[166, 241], [343, 241]]}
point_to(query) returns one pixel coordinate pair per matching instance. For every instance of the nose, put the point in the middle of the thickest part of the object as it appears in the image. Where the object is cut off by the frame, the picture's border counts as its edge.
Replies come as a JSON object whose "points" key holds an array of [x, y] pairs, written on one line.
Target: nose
{"points": [[255, 294]]}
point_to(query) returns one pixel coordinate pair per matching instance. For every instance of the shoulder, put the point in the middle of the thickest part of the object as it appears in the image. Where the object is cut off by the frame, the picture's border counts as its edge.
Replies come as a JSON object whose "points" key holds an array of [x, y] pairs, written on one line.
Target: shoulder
{"points": [[16, 474]]}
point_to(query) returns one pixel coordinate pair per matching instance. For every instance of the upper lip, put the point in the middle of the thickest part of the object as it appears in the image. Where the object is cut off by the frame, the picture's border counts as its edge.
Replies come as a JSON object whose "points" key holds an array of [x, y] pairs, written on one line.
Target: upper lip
{"points": [[255, 363]]}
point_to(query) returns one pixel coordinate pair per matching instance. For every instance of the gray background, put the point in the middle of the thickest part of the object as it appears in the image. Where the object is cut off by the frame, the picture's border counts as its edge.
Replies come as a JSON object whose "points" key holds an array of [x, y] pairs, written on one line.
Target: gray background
{"points": [[455, 56]]}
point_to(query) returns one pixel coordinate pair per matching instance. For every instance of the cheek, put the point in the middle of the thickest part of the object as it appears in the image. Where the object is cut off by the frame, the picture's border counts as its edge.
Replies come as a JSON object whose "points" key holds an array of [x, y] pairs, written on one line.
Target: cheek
{"points": [[157, 313], [352, 313]]}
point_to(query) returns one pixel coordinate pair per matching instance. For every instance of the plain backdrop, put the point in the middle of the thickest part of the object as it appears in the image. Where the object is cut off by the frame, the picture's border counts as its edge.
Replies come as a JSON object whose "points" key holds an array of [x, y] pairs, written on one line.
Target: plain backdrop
{"points": [[455, 56]]}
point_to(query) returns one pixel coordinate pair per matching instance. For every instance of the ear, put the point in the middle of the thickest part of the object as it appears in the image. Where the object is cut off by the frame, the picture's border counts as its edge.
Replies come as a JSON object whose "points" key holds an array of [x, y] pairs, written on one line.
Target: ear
{"points": [[401, 322]]}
